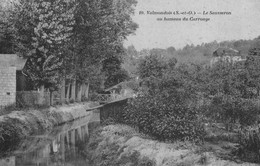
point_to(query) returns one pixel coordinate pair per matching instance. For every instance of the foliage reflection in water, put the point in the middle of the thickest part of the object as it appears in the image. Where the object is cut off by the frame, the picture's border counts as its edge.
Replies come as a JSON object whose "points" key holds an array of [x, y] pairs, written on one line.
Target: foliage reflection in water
{"points": [[63, 146]]}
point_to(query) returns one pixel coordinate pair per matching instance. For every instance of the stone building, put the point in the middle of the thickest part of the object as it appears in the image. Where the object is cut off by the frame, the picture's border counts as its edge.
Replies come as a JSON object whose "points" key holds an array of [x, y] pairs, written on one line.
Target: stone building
{"points": [[227, 55], [10, 65]]}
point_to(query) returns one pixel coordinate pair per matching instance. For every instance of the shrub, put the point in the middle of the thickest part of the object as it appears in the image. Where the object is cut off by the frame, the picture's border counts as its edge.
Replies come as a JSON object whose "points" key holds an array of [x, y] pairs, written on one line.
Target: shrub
{"points": [[166, 116], [7, 109], [250, 144], [233, 110]]}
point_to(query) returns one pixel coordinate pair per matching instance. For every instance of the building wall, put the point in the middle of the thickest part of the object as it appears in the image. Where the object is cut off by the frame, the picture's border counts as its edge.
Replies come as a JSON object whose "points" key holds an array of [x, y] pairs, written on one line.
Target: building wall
{"points": [[230, 59], [7, 85]]}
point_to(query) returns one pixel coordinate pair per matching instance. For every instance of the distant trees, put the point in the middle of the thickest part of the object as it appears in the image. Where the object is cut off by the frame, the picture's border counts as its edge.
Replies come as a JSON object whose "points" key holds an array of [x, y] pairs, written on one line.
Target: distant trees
{"points": [[171, 50], [151, 66], [130, 61], [200, 54], [155, 65]]}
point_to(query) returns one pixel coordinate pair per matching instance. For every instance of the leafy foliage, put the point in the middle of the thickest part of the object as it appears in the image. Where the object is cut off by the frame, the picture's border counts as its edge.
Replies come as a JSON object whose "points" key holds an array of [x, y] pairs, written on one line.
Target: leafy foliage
{"points": [[166, 111], [253, 69], [41, 29], [232, 110], [152, 66], [233, 90], [229, 87], [69, 39], [130, 61], [6, 32], [97, 41], [249, 144]]}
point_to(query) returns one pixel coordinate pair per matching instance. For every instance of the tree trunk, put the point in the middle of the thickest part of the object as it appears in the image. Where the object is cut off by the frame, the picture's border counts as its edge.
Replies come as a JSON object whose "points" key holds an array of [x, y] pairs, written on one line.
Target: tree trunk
{"points": [[63, 91], [68, 93], [73, 90], [102, 86], [79, 92], [84, 87], [87, 91], [51, 98]]}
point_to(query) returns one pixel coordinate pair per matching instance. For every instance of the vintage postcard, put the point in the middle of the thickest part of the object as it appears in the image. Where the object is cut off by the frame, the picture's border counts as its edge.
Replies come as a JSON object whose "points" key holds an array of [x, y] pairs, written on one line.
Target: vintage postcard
{"points": [[129, 82]]}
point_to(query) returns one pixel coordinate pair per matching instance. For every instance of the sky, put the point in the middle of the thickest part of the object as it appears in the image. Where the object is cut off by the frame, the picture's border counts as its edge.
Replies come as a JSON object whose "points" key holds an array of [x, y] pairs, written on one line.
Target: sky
{"points": [[243, 23]]}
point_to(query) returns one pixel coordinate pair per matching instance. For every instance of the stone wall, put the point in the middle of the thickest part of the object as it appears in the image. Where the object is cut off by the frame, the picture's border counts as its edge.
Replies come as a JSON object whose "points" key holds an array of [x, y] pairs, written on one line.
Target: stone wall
{"points": [[7, 85]]}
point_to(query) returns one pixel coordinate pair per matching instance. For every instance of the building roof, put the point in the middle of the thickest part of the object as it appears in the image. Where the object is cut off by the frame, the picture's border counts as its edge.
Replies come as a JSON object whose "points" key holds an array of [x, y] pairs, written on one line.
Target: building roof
{"points": [[12, 60], [225, 52], [117, 86], [132, 84]]}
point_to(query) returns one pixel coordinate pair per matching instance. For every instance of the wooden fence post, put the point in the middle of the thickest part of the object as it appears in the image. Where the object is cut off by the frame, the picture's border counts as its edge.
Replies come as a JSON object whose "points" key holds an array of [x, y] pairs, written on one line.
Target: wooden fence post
{"points": [[41, 96]]}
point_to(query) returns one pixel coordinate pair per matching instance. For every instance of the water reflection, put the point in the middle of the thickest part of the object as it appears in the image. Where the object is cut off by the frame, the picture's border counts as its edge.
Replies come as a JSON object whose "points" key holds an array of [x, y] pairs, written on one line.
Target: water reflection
{"points": [[63, 146]]}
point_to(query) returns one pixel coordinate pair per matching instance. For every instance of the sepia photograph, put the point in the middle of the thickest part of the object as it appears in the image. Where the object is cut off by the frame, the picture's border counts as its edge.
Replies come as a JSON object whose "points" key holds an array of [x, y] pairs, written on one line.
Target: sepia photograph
{"points": [[129, 82]]}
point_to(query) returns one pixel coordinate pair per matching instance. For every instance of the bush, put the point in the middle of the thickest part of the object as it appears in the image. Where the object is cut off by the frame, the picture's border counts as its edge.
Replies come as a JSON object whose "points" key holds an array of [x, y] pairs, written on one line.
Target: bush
{"points": [[164, 116], [250, 144], [7, 109], [233, 110]]}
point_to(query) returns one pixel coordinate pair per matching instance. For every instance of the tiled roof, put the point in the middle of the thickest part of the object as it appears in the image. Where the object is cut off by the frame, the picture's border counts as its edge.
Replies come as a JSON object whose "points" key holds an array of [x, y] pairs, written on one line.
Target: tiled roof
{"points": [[12, 60], [225, 51]]}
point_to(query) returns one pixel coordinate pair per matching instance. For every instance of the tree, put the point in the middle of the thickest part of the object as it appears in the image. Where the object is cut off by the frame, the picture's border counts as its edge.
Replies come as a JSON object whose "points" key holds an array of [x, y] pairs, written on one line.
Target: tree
{"points": [[166, 109], [101, 26], [42, 28], [151, 66], [72, 39], [130, 61], [172, 63], [6, 30], [117, 77], [171, 50]]}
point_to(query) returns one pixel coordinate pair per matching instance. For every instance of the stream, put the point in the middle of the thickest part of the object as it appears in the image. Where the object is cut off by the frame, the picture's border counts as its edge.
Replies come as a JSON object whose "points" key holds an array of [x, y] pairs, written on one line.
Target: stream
{"points": [[65, 145]]}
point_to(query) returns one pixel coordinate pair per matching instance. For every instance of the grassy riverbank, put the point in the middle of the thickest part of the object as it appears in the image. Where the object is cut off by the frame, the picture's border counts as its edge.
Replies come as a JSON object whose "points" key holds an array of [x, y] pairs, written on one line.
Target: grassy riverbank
{"points": [[18, 124], [120, 145]]}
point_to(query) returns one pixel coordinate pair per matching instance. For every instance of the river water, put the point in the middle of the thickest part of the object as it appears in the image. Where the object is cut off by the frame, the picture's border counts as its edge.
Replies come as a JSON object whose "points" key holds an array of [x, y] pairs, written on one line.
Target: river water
{"points": [[65, 145]]}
